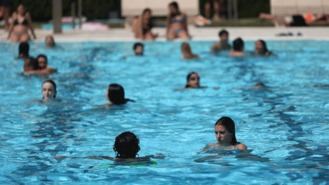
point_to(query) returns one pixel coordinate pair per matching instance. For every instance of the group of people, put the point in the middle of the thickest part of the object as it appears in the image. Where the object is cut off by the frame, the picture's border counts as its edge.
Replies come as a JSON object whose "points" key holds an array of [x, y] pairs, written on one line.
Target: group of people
{"points": [[34, 65], [126, 144], [176, 26]]}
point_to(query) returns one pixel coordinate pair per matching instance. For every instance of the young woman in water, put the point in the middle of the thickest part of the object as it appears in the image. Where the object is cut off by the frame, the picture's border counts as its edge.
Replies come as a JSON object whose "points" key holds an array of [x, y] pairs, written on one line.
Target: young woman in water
{"points": [[49, 90], [116, 94], [21, 23], [176, 23], [261, 48], [225, 136], [193, 80], [187, 52]]}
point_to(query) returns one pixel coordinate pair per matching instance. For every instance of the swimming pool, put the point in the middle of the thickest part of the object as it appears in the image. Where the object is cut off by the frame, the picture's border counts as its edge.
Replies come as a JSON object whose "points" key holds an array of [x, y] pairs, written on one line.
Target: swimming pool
{"points": [[284, 126]]}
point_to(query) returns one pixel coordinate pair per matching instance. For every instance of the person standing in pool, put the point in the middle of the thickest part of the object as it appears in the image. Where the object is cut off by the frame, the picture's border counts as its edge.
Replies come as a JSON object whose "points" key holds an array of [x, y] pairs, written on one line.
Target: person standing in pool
{"points": [[225, 136], [238, 48], [223, 43], [138, 49], [126, 148], [116, 94], [193, 80], [187, 53], [49, 90], [261, 48]]}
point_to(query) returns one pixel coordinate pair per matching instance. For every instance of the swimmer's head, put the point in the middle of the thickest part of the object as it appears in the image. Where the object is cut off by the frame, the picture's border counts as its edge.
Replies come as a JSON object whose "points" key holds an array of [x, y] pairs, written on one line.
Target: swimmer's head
{"points": [[192, 80], [126, 145], [223, 35], [42, 61], [138, 49], [186, 49], [261, 47], [225, 131], [23, 50], [30, 64], [49, 90], [238, 44], [116, 94], [50, 41]]}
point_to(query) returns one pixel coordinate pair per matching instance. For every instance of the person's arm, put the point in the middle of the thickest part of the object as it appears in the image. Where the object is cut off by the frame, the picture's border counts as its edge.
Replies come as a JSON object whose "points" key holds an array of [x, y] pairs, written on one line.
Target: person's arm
{"points": [[168, 26], [29, 20], [186, 25], [11, 26], [241, 147]]}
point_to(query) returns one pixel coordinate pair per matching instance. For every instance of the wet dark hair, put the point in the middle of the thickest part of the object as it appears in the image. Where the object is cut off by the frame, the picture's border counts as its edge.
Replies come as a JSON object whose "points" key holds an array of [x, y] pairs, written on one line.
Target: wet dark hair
{"points": [[176, 6], [138, 44], [126, 145], [52, 83], [238, 44], [222, 32], [23, 50], [116, 94], [229, 125], [265, 50], [32, 64], [42, 56], [188, 78]]}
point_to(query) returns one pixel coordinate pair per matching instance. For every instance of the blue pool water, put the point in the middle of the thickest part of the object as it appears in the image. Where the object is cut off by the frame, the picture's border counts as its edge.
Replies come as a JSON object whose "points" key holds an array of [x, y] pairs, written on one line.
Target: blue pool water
{"points": [[285, 126]]}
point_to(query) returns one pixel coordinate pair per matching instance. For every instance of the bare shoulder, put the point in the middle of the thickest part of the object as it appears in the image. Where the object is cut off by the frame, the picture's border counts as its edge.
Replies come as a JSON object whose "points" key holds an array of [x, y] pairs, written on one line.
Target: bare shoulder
{"points": [[241, 147]]}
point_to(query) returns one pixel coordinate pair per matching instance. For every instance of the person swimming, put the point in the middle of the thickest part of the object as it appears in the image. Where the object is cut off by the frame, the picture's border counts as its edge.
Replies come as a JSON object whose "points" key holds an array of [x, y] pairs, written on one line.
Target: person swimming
{"points": [[223, 43], [176, 23], [116, 94], [126, 148], [238, 48], [187, 51], [261, 48], [38, 66], [138, 48], [30, 65], [225, 136], [50, 41], [193, 80], [49, 90]]}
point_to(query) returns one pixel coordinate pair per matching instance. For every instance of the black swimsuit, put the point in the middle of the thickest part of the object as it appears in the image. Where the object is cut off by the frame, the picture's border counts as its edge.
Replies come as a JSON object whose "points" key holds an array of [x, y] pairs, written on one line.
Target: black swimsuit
{"points": [[24, 22]]}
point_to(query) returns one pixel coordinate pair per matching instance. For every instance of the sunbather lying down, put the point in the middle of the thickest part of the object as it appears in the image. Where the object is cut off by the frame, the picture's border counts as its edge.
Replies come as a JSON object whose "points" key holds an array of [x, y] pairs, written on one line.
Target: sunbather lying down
{"points": [[305, 19]]}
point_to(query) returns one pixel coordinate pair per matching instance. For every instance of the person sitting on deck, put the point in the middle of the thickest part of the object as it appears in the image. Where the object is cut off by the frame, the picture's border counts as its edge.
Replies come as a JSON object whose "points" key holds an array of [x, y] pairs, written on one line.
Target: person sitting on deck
{"points": [[142, 26]]}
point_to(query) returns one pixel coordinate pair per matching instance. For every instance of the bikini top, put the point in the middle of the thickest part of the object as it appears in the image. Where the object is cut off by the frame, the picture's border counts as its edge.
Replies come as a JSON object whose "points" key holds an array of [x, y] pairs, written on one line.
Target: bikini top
{"points": [[178, 19], [24, 22]]}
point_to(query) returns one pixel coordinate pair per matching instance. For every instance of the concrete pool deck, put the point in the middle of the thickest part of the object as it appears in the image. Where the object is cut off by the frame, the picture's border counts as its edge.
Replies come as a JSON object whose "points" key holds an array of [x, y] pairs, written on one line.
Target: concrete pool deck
{"points": [[210, 34]]}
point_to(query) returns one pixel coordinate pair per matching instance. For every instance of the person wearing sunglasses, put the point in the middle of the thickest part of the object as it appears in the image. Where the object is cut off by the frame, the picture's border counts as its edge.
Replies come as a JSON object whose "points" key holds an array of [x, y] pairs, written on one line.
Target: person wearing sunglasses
{"points": [[193, 80], [225, 136]]}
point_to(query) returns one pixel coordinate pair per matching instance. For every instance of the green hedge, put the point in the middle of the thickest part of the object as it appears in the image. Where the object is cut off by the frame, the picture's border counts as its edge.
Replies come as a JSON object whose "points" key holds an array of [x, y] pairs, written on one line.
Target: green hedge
{"points": [[40, 10], [100, 9]]}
